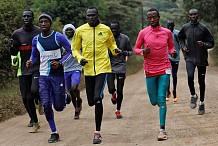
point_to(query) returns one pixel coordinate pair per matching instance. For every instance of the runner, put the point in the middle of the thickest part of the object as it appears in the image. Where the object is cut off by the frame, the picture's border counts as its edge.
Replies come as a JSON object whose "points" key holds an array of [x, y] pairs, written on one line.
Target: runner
{"points": [[72, 73], [28, 79], [157, 43], [195, 38], [174, 61], [118, 64], [94, 39], [46, 47]]}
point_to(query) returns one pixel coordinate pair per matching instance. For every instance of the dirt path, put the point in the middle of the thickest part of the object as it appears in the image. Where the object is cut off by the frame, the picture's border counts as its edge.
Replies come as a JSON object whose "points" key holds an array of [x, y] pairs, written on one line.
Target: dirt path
{"points": [[139, 126]]}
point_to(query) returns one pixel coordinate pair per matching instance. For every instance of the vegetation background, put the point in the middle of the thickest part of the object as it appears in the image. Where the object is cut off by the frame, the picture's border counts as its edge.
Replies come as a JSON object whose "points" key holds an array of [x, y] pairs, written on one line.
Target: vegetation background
{"points": [[130, 13]]}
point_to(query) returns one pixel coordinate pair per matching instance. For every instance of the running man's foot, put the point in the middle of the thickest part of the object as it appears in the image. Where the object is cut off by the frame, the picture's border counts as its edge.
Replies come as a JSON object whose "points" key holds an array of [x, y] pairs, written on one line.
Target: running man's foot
{"points": [[201, 109], [119, 116], [114, 98], [193, 101], [168, 96], [162, 135], [54, 138], [97, 138], [76, 116], [35, 128]]}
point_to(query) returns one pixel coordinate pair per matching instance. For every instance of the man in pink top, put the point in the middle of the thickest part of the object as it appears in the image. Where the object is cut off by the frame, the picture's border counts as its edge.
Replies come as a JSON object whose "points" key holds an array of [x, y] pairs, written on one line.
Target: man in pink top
{"points": [[155, 43]]}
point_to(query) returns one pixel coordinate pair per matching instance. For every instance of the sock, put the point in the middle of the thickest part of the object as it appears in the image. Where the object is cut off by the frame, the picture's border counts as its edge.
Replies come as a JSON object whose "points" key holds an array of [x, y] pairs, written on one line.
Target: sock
{"points": [[194, 96], [201, 103]]}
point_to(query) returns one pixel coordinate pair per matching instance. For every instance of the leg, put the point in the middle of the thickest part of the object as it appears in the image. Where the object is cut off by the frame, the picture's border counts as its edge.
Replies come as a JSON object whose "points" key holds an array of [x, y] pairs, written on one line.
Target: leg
{"points": [[201, 81], [75, 80], [68, 79], [24, 98], [175, 66], [111, 87], [90, 89], [152, 85], [120, 85], [190, 68]]}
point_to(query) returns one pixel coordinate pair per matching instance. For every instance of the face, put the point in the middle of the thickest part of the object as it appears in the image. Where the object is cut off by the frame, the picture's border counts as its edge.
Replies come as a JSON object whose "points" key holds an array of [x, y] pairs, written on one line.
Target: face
{"points": [[92, 17], [153, 18], [69, 32], [193, 15], [115, 29], [27, 17], [44, 24], [170, 26]]}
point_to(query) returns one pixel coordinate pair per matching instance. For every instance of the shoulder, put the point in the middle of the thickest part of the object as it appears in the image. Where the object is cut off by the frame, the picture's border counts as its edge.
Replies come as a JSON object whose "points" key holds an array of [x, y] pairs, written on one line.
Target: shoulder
{"points": [[175, 31], [18, 31], [124, 36], [166, 30]]}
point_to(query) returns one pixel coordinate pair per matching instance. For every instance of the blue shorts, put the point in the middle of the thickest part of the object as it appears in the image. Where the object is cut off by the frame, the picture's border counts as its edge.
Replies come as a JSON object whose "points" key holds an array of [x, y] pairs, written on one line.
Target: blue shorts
{"points": [[71, 78]]}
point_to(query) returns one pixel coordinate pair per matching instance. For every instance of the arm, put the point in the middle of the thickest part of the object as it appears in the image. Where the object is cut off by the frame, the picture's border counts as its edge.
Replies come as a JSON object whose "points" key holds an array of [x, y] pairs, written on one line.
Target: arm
{"points": [[111, 43], [34, 54], [76, 45], [171, 47], [209, 39], [139, 42], [181, 39], [14, 49], [128, 48]]}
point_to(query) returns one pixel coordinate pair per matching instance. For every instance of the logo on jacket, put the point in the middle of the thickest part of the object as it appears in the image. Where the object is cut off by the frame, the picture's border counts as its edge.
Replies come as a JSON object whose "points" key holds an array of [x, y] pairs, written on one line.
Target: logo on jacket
{"points": [[100, 34]]}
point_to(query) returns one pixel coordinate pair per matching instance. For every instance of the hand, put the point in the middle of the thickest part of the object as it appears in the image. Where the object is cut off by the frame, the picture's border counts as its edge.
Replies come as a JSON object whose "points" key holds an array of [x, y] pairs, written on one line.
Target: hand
{"points": [[200, 43], [185, 50], [118, 51], [174, 54], [55, 64], [146, 50], [28, 63], [83, 62]]}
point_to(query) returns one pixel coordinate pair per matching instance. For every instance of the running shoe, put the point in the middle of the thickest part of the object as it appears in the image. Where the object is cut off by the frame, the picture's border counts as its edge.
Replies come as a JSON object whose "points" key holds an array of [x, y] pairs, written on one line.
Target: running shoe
{"points": [[114, 98], [97, 138], [201, 109], [30, 124], [168, 96], [162, 135], [119, 116], [54, 138], [175, 98], [35, 128], [193, 101]]}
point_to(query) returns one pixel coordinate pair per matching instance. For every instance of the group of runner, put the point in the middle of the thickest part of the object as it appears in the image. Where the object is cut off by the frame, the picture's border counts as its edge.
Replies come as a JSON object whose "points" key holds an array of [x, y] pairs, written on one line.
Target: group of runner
{"points": [[49, 60]]}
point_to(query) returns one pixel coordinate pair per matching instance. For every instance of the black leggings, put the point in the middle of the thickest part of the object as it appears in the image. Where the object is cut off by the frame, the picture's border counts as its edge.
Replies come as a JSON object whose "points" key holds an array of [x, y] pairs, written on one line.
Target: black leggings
{"points": [[120, 84], [190, 67], [29, 88], [94, 90]]}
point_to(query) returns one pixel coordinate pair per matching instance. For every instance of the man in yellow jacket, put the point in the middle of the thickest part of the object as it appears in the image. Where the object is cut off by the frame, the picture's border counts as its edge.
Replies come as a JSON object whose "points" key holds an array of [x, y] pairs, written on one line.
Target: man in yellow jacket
{"points": [[94, 39]]}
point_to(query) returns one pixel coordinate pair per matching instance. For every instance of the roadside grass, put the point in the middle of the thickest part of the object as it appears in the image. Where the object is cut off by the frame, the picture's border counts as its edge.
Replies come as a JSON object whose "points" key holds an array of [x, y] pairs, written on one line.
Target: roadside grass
{"points": [[11, 103]]}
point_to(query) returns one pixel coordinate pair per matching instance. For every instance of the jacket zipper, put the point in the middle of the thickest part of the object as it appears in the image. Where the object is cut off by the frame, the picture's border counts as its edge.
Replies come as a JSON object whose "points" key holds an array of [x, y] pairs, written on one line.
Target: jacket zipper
{"points": [[94, 51]]}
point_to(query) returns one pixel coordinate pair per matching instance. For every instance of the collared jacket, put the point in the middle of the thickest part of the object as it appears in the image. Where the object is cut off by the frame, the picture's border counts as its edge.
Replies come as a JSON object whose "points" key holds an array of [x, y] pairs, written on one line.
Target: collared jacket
{"points": [[94, 42], [189, 35], [160, 42]]}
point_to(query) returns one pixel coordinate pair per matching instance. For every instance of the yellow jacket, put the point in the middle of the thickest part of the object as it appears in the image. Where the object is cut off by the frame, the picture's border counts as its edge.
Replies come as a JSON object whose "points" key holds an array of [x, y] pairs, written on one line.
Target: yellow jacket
{"points": [[94, 42]]}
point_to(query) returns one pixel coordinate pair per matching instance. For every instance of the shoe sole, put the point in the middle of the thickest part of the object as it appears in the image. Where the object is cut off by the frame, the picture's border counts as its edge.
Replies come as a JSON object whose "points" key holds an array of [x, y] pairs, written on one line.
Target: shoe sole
{"points": [[161, 139], [54, 141]]}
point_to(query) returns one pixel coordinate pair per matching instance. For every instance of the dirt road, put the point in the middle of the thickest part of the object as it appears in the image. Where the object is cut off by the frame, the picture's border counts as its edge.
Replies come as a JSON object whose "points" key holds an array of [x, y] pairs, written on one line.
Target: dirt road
{"points": [[139, 125]]}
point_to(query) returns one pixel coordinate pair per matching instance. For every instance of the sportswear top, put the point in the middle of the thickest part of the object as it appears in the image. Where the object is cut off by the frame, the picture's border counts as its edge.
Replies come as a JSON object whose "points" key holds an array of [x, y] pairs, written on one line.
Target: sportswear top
{"points": [[189, 35], [176, 45], [94, 42], [160, 42], [49, 48], [71, 64], [118, 62], [22, 42]]}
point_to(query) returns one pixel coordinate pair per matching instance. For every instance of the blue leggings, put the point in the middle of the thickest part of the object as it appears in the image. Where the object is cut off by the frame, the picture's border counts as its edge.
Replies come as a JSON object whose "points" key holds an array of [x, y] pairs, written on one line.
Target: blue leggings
{"points": [[156, 88]]}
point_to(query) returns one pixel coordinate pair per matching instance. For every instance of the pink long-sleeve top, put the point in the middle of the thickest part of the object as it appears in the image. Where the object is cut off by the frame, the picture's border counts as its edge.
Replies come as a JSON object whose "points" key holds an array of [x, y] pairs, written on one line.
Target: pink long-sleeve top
{"points": [[160, 42]]}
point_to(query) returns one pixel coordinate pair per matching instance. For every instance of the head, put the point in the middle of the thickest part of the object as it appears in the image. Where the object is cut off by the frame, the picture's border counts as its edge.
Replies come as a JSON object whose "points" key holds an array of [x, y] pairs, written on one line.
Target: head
{"points": [[45, 22], [153, 17], [69, 30], [28, 17], [193, 15], [92, 16], [115, 28], [170, 24]]}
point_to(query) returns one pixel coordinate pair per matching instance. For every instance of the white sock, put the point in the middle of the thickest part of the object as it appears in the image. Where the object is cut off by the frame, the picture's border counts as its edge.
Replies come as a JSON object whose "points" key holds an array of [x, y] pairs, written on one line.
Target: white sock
{"points": [[201, 103], [194, 96]]}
